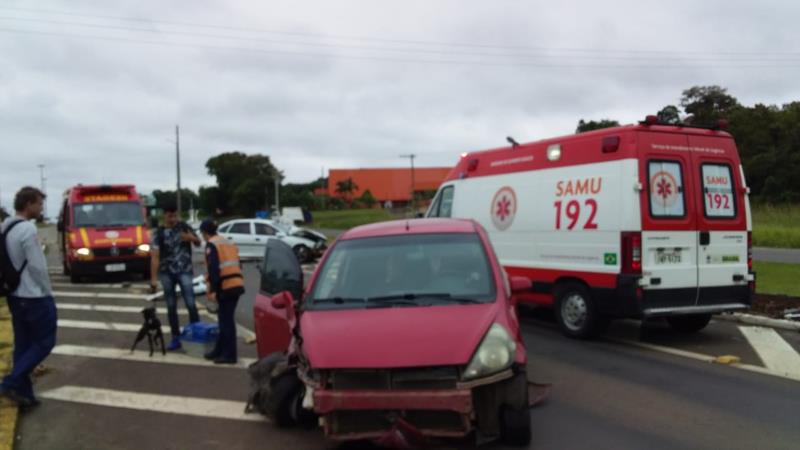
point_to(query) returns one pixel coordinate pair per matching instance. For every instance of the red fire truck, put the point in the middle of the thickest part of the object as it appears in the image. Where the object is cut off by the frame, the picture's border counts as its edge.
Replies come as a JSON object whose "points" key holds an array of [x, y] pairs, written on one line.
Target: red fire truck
{"points": [[102, 231]]}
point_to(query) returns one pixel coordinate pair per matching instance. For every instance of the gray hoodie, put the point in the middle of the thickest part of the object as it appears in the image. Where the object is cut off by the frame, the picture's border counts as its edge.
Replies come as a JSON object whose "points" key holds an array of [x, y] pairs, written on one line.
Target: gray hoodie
{"points": [[23, 245]]}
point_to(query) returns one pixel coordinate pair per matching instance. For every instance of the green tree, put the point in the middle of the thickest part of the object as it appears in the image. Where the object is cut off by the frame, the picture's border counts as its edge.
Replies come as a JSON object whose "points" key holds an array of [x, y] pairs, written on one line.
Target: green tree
{"points": [[245, 182], [188, 198], [368, 199], [210, 201], [707, 104], [584, 126], [670, 114], [345, 188]]}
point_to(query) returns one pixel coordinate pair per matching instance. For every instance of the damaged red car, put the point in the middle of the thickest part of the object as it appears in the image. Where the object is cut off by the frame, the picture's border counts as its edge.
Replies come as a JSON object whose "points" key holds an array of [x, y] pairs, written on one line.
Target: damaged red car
{"points": [[407, 330]]}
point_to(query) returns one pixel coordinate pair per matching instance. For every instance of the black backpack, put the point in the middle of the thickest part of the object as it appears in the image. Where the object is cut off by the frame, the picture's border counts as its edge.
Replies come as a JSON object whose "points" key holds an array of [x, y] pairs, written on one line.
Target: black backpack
{"points": [[9, 275]]}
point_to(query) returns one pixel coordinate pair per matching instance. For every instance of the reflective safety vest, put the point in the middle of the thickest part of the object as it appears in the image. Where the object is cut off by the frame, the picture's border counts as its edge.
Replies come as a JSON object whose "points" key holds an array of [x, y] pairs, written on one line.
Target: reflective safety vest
{"points": [[230, 270]]}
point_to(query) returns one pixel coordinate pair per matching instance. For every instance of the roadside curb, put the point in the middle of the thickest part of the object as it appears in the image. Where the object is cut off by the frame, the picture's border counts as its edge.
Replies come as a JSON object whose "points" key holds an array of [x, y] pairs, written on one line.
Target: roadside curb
{"points": [[8, 411], [752, 319]]}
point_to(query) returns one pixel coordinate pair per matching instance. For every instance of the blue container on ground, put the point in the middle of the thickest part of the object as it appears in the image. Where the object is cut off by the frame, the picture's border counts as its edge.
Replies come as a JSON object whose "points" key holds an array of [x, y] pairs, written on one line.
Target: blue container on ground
{"points": [[199, 337]]}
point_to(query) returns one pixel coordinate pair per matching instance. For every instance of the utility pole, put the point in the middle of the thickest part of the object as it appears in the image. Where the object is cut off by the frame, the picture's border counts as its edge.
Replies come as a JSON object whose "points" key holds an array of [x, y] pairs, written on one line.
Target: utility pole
{"points": [[43, 188], [413, 181], [178, 166]]}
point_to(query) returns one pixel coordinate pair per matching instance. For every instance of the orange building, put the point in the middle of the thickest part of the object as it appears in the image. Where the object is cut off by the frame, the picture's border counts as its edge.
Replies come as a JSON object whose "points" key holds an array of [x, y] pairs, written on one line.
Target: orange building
{"points": [[388, 184]]}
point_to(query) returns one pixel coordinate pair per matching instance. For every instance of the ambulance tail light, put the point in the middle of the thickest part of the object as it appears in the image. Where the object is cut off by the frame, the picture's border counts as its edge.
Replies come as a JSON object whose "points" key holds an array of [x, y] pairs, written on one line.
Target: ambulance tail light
{"points": [[632, 252], [610, 144], [749, 251]]}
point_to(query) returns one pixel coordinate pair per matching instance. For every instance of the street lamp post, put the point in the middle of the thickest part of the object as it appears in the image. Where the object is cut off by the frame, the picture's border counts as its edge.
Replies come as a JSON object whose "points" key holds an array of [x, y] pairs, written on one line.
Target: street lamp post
{"points": [[43, 188]]}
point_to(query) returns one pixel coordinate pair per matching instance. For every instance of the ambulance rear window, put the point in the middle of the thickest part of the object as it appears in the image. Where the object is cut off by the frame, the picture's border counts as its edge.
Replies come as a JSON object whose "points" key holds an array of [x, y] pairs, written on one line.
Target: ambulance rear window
{"points": [[666, 189], [718, 199]]}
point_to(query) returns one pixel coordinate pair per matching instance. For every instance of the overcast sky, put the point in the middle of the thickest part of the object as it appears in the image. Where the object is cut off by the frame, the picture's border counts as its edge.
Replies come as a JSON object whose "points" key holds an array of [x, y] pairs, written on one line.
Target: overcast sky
{"points": [[94, 89]]}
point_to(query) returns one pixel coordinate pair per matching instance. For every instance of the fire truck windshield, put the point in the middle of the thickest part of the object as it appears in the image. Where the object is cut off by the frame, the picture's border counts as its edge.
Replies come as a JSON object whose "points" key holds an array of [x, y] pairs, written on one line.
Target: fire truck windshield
{"points": [[107, 214]]}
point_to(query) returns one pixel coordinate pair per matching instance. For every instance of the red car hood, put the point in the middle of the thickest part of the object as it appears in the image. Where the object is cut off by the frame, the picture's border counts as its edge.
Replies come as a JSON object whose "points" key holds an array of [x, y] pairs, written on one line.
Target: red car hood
{"points": [[394, 337]]}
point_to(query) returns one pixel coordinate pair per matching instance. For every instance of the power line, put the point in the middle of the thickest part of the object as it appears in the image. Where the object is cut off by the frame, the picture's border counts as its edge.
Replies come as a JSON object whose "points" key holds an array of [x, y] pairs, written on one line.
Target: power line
{"points": [[394, 41], [395, 50], [396, 60]]}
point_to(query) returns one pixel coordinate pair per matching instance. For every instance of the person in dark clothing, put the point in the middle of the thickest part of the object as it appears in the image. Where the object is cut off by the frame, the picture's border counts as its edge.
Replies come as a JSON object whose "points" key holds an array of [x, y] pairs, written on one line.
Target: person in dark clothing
{"points": [[171, 263], [225, 286]]}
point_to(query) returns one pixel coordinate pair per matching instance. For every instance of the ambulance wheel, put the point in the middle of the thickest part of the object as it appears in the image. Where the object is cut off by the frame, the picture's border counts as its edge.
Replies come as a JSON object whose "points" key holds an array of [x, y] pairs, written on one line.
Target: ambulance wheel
{"points": [[515, 426], [74, 279], [576, 311], [303, 253], [690, 323], [283, 399]]}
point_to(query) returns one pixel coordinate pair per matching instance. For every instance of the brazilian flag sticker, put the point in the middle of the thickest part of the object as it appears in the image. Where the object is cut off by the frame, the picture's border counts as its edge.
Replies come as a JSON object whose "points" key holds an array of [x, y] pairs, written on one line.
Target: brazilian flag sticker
{"points": [[610, 259]]}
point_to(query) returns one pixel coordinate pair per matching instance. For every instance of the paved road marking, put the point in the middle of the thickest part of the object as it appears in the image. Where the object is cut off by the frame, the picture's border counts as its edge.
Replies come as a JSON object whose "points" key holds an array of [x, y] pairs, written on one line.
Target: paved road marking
{"points": [[110, 308], [58, 284], [108, 326], [704, 358], [775, 352], [171, 404], [105, 295], [143, 356]]}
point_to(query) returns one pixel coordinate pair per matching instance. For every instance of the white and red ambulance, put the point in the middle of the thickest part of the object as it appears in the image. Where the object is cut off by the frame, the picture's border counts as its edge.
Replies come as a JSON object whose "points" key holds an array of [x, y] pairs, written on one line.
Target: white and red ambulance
{"points": [[646, 220]]}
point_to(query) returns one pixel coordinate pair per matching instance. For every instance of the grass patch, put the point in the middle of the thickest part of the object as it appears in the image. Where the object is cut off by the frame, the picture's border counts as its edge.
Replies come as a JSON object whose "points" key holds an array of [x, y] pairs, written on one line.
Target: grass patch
{"points": [[776, 226], [8, 411], [346, 219], [777, 278]]}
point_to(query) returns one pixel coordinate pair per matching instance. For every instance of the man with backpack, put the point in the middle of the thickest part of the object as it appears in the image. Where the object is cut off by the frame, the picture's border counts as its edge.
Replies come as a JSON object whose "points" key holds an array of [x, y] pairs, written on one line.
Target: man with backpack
{"points": [[25, 281], [171, 263]]}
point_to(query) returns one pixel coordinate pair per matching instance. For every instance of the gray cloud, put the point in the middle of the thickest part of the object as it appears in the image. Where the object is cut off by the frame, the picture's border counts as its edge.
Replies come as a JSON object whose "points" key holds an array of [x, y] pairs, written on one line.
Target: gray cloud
{"points": [[103, 108]]}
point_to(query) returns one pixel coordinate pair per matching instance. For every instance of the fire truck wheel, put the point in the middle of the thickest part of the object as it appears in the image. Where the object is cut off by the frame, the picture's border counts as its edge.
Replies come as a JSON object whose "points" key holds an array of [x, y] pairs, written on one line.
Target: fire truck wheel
{"points": [[576, 312], [689, 324], [515, 426], [66, 268]]}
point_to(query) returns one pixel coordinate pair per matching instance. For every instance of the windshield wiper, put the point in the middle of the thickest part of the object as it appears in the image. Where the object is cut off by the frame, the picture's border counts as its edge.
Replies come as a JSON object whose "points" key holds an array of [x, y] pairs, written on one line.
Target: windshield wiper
{"points": [[410, 297], [340, 300]]}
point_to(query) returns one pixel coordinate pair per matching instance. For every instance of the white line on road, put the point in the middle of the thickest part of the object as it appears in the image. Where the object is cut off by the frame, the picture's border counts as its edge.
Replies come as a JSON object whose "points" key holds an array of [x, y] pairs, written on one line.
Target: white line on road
{"points": [[703, 358], [143, 356], [108, 326], [775, 352], [105, 295], [142, 287], [171, 404], [110, 308]]}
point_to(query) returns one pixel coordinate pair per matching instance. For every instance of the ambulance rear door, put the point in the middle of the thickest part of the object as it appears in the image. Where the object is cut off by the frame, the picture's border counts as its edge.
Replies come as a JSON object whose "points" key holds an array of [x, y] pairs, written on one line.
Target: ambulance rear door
{"points": [[669, 237], [721, 221]]}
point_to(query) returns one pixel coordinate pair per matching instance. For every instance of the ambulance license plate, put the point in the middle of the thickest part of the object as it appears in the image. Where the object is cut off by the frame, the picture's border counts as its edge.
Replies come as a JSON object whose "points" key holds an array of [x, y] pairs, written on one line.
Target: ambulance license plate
{"points": [[668, 258], [115, 267]]}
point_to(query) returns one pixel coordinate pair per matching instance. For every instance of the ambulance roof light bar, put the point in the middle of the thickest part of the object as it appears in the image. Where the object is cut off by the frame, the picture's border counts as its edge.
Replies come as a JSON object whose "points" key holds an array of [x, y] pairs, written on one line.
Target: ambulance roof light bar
{"points": [[649, 120]]}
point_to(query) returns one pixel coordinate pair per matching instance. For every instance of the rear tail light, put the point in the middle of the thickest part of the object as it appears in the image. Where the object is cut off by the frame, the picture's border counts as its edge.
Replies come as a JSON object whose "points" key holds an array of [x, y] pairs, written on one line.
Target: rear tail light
{"points": [[632, 252], [749, 251]]}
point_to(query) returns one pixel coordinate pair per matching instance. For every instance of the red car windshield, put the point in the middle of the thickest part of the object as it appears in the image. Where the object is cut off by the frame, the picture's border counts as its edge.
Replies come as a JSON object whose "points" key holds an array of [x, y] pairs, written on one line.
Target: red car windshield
{"points": [[413, 270]]}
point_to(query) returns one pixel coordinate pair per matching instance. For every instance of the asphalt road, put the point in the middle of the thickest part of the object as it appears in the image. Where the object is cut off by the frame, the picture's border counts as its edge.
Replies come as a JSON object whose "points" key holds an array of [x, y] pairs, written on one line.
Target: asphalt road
{"points": [[643, 386], [782, 255]]}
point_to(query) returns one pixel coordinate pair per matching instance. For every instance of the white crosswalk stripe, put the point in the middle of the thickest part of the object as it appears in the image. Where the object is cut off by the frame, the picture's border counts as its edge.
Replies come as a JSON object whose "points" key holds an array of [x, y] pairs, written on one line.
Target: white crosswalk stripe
{"points": [[106, 295], [193, 406], [110, 308], [143, 356], [109, 326], [773, 350]]}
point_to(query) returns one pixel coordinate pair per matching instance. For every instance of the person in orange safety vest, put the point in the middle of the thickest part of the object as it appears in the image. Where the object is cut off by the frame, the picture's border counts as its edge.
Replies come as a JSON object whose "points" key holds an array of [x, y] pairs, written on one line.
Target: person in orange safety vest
{"points": [[225, 284]]}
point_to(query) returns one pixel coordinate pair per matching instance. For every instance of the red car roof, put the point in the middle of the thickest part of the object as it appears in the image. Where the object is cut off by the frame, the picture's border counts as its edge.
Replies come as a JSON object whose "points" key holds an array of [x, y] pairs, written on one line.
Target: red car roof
{"points": [[411, 226]]}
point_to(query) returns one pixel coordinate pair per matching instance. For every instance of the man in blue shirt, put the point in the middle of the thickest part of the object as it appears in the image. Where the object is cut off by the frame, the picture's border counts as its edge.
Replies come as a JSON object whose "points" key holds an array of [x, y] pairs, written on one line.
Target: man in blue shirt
{"points": [[171, 263], [33, 310]]}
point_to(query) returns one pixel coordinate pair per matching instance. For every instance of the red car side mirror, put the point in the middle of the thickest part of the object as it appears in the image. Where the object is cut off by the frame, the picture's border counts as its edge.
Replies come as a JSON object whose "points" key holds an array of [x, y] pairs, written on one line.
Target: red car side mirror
{"points": [[520, 285], [282, 301]]}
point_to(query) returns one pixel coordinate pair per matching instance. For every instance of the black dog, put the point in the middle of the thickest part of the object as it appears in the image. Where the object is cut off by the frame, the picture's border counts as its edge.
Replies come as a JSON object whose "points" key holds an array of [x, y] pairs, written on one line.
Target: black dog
{"points": [[152, 329]]}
